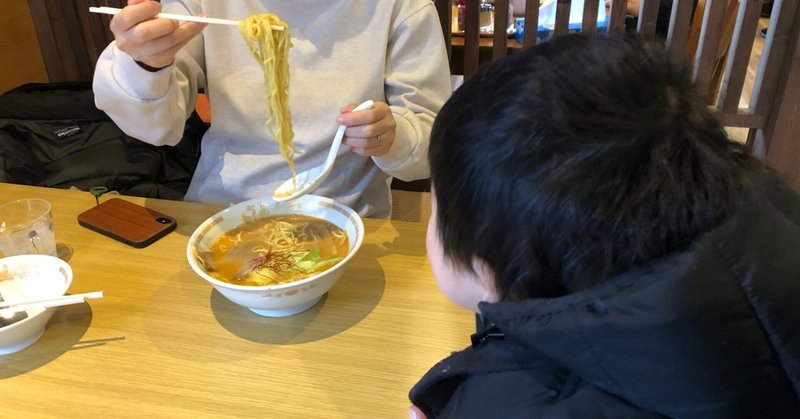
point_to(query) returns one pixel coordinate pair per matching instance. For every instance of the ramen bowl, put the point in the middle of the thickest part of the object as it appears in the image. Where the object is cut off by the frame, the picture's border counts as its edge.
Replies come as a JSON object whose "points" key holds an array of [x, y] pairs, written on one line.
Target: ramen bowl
{"points": [[282, 299], [25, 278]]}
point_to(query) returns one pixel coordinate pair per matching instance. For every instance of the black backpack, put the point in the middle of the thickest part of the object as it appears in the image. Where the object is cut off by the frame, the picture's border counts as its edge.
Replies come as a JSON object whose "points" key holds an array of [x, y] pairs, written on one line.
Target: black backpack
{"points": [[51, 134]]}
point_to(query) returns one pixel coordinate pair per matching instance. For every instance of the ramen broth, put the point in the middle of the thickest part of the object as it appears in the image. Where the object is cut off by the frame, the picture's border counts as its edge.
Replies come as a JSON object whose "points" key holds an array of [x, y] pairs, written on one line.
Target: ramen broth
{"points": [[275, 250]]}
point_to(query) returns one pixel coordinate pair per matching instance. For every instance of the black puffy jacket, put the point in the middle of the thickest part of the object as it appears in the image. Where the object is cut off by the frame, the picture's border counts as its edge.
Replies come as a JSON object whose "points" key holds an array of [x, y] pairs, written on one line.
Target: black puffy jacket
{"points": [[710, 332], [51, 134]]}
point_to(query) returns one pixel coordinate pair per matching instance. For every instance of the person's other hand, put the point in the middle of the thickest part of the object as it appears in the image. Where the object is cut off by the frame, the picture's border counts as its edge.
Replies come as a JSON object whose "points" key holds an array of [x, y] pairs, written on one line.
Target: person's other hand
{"points": [[414, 412], [153, 42], [631, 7], [370, 132]]}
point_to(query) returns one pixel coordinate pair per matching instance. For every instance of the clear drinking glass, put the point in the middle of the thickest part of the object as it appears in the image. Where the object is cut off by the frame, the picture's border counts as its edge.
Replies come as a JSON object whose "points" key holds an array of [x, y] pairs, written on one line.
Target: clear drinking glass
{"points": [[26, 227]]}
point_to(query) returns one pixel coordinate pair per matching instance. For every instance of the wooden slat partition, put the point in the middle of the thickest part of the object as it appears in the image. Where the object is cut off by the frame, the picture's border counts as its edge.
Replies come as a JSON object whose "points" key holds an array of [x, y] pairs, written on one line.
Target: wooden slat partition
{"points": [[739, 56], [776, 47], [776, 86], [648, 15], [780, 137], [445, 11], [500, 34], [531, 23], [710, 34], [561, 27], [94, 35], [71, 38], [679, 25], [589, 21], [47, 41], [616, 21], [471, 37]]}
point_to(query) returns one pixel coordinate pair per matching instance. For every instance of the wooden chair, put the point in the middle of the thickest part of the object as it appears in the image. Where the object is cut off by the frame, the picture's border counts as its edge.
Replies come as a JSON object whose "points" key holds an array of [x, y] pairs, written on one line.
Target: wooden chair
{"points": [[691, 50], [727, 30]]}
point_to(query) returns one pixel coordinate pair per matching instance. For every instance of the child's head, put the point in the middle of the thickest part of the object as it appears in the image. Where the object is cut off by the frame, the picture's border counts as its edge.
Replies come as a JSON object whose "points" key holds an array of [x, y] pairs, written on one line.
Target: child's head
{"points": [[563, 165]]}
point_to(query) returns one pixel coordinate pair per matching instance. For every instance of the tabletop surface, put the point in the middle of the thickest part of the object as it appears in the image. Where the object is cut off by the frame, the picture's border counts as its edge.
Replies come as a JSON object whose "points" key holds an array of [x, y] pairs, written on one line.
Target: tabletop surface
{"points": [[163, 343]]}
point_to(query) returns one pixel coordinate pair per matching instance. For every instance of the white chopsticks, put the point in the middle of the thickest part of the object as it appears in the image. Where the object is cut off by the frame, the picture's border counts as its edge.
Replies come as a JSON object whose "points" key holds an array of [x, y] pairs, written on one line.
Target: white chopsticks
{"points": [[187, 18], [15, 306]]}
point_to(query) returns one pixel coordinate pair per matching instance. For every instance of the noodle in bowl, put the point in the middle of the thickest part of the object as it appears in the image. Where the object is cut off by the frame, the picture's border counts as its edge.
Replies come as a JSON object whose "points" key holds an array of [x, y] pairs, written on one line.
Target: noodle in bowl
{"points": [[276, 299]]}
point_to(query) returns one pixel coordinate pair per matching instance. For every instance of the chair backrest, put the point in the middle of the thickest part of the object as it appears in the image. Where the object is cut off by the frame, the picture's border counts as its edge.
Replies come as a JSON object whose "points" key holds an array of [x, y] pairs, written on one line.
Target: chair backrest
{"points": [[716, 36], [714, 48]]}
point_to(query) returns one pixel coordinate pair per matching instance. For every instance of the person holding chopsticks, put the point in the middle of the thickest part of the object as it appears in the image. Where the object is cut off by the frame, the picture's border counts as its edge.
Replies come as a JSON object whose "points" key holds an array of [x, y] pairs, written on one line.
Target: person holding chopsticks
{"points": [[343, 52]]}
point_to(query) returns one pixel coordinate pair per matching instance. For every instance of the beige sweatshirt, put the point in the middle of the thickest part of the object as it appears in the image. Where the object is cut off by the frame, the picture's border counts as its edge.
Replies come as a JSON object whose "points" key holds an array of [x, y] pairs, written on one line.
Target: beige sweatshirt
{"points": [[344, 51]]}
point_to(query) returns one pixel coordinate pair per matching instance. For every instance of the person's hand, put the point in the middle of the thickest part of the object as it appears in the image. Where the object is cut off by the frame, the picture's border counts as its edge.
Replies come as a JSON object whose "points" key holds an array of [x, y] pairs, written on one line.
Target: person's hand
{"points": [[414, 412], [631, 7], [370, 132], [153, 42]]}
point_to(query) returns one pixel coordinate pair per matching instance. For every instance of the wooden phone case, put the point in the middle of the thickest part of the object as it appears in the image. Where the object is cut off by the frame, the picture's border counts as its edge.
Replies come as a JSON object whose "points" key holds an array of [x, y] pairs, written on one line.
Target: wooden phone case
{"points": [[127, 222]]}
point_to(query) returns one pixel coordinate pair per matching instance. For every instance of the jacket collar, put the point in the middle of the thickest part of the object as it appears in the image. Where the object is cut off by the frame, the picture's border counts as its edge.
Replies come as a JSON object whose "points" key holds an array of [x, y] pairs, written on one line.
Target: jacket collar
{"points": [[681, 327]]}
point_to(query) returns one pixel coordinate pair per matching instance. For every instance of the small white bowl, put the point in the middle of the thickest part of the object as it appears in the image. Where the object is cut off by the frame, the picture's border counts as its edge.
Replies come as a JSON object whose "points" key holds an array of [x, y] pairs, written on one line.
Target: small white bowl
{"points": [[30, 277], [283, 299]]}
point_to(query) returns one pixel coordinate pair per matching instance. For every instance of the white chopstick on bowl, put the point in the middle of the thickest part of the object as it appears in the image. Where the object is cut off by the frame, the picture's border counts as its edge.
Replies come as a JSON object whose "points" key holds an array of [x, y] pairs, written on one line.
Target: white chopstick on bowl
{"points": [[15, 306], [187, 18]]}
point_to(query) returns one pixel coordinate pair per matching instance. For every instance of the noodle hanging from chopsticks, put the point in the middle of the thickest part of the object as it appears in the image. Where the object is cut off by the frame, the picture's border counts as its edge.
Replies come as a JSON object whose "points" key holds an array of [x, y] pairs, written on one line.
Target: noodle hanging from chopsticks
{"points": [[271, 49]]}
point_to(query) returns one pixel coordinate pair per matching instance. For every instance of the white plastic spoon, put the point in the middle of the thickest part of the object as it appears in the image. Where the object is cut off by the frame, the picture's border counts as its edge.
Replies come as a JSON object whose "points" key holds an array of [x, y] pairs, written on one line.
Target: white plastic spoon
{"points": [[308, 180]]}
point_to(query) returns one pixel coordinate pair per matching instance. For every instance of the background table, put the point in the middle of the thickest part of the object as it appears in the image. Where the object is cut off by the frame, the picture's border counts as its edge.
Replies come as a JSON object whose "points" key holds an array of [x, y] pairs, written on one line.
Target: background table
{"points": [[163, 343]]}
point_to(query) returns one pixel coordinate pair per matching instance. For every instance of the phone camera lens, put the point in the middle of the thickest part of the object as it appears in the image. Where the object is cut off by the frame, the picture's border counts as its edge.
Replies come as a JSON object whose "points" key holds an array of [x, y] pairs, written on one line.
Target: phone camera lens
{"points": [[163, 220]]}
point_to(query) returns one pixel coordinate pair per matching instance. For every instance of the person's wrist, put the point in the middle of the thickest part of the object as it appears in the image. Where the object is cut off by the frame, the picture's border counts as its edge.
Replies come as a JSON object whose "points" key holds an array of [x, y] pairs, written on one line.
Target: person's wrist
{"points": [[151, 68]]}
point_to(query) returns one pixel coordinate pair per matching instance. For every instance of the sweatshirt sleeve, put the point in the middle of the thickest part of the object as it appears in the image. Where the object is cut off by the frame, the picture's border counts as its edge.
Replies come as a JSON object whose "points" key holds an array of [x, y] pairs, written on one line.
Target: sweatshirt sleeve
{"points": [[150, 106], [417, 84]]}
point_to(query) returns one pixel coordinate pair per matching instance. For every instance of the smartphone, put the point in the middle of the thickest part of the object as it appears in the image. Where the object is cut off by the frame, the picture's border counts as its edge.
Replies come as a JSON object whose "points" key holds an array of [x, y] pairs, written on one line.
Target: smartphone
{"points": [[127, 222]]}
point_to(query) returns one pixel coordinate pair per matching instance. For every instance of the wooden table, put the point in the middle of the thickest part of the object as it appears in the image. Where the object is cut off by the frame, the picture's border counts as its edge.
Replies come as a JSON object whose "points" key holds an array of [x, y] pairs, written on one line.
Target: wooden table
{"points": [[162, 343]]}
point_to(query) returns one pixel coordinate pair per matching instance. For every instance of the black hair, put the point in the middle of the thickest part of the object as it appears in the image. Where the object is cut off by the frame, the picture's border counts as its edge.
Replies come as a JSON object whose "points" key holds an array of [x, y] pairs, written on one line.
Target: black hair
{"points": [[576, 160]]}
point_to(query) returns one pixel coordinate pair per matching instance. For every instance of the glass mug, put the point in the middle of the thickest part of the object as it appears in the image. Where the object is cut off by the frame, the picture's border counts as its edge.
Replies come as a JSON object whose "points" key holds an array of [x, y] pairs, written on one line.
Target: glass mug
{"points": [[26, 227]]}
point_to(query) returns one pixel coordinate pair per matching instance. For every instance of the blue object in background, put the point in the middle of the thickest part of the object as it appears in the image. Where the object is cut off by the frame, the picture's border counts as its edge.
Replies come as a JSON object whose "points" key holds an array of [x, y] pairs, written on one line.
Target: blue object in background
{"points": [[547, 15]]}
